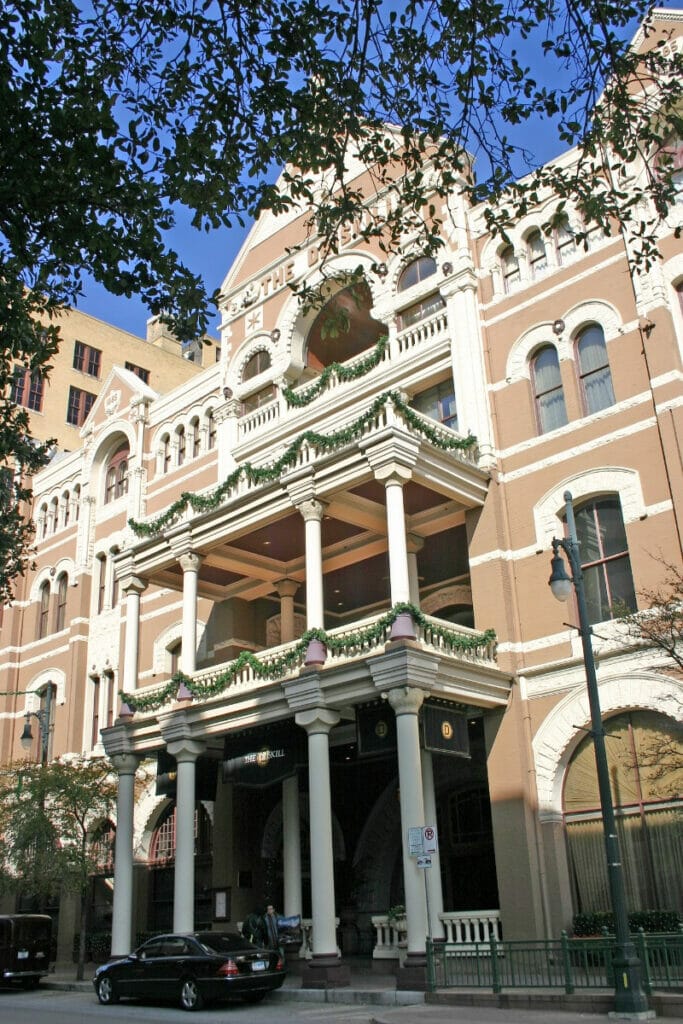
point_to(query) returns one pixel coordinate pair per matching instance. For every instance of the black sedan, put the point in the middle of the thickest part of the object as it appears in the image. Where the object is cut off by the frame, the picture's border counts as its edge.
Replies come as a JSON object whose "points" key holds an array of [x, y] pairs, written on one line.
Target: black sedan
{"points": [[193, 969]]}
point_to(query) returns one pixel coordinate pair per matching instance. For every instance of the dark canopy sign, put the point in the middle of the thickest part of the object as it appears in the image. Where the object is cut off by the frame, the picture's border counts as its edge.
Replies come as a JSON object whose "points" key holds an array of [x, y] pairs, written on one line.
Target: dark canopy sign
{"points": [[444, 729], [375, 730], [261, 760]]}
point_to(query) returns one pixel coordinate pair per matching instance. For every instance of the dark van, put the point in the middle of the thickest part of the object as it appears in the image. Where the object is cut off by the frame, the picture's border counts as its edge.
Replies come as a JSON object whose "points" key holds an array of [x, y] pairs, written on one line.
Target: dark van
{"points": [[24, 948]]}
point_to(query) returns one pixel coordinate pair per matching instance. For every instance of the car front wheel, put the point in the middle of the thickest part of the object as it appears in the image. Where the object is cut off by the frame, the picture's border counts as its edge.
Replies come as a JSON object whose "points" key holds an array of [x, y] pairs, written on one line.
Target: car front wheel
{"points": [[106, 991], [190, 996]]}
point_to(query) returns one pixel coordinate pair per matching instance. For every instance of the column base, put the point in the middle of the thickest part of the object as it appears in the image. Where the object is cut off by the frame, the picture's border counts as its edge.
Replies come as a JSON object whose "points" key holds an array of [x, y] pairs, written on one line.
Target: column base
{"points": [[325, 971], [412, 974]]}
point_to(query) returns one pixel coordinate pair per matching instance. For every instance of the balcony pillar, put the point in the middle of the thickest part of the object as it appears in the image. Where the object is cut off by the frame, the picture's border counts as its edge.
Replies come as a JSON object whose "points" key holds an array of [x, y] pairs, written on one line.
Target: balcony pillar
{"points": [[414, 545], [326, 968], [433, 874], [286, 589], [122, 910], [132, 587], [406, 702], [312, 512], [186, 752], [291, 846], [190, 563]]}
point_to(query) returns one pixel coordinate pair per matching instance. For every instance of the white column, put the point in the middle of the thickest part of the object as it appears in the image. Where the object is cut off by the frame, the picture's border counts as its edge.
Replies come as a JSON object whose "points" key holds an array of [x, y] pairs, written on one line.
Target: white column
{"points": [[186, 752], [291, 846], [133, 588], [317, 722], [433, 874], [122, 911], [189, 563], [312, 512], [406, 702], [396, 539]]}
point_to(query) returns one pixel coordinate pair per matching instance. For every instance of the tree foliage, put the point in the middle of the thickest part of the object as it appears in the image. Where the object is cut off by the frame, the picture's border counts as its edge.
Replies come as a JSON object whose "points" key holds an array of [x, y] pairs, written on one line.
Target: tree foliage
{"points": [[49, 816], [119, 113]]}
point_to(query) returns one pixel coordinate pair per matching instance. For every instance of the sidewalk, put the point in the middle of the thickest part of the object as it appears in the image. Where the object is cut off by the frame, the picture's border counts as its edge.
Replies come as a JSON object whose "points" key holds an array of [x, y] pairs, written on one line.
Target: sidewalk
{"points": [[475, 1006]]}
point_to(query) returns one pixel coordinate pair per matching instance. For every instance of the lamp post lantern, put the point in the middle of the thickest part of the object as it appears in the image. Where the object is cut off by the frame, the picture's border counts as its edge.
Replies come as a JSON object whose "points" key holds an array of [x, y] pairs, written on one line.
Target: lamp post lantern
{"points": [[43, 716], [630, 1001]]}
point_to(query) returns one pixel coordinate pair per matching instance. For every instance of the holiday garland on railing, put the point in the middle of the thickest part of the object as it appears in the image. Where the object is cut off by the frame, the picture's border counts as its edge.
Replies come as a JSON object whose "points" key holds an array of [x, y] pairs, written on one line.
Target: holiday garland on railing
{"points": [[341, 372], [273, 471], [277, 667]]}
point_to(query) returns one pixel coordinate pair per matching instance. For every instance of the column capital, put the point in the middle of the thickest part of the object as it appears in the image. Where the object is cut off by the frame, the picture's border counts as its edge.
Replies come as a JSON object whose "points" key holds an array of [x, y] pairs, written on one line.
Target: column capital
{"points": [[286, 587], [190, 561], [185, 749], [317, 720], [414, 543], [406, 700], [125, 764], [132, 584], [312, 510]]}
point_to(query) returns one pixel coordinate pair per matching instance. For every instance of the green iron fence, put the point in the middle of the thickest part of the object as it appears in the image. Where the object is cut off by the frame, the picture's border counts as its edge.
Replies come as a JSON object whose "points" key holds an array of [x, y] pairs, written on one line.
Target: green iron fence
{"points": [[555, 963]]}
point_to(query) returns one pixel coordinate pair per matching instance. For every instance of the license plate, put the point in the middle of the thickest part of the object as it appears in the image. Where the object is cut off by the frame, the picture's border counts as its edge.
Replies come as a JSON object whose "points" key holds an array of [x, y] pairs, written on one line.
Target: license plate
{"points": [[259, 965], [22, 954]]}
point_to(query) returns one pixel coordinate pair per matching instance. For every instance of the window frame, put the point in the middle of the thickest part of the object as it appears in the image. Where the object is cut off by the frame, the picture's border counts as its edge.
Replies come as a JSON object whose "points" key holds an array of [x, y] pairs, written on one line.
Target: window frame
{"points": [[584, 375], [601, 565], [60, 607], [44, 610], [541, 395], [79, 404]]}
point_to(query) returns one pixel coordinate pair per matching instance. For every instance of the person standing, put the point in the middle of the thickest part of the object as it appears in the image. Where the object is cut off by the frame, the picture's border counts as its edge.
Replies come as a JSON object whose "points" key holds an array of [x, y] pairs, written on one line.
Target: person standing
{"points": [[272, 930]]}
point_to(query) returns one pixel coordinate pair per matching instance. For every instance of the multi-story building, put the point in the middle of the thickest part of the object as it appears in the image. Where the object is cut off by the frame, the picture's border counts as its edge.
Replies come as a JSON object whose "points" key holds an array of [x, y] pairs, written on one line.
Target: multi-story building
{"points": [[294, 572]]}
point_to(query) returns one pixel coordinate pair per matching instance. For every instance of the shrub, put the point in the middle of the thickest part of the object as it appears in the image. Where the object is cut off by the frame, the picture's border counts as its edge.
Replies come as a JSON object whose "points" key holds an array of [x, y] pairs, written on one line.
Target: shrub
{"points": [[649, 920]]}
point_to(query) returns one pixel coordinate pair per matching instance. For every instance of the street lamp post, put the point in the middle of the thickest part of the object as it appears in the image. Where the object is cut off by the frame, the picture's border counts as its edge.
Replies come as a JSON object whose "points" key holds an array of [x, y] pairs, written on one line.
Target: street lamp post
{"points": [[43, 716], [630, 1001]]}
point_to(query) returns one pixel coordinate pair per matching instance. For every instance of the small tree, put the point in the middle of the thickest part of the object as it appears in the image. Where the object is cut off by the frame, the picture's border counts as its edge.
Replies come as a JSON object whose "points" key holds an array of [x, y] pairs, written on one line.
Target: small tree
{"points": [[659, 627], [47, 817]]}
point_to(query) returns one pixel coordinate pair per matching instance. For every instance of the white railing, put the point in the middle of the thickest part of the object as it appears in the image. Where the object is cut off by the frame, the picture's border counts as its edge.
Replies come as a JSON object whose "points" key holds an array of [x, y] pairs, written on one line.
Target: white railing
{"points": [[463, 929], [425, 330]]}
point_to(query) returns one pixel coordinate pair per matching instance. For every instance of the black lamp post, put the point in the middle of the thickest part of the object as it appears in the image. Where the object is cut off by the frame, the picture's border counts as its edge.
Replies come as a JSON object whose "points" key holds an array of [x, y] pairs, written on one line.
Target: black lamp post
{"points": [[629, 999], [43, 716]]}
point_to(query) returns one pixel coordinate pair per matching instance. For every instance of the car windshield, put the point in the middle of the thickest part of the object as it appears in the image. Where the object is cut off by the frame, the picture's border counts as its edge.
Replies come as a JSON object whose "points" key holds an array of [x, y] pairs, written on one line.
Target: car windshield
{"points": [[224, 942]]}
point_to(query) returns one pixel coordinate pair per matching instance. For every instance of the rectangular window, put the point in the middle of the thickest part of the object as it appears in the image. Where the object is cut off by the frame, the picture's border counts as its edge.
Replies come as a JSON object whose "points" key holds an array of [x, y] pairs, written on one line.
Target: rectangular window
{"points": [[87, 359], [27, 389], [95, 734], [80, 404], [139, 371]]}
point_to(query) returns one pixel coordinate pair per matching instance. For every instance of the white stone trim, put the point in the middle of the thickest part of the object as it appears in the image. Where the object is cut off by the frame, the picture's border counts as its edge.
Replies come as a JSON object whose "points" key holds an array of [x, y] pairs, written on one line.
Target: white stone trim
{"points": [[610, 480], [562, 729]]}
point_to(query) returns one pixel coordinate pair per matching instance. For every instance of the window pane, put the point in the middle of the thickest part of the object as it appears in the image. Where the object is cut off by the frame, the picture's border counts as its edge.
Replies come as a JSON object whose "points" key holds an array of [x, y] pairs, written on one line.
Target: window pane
{"points": [[598, 391], [416, 271], [620, 583], [612, 532]]}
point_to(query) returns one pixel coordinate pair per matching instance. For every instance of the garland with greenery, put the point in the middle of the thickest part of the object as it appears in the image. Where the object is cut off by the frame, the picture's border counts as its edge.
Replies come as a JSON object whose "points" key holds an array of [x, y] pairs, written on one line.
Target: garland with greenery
{"points": [[273, 470], [278, 667], [340, 372]]}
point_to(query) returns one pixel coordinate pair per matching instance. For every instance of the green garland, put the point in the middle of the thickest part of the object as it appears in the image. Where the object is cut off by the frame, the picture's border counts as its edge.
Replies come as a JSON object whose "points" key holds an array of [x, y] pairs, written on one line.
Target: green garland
{"points": [[273, 471], [340, 372], [279, 667]]}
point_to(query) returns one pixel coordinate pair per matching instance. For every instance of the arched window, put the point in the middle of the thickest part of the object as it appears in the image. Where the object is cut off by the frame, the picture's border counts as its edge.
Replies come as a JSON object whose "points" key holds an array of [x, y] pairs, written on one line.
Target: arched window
{"points": [[102, 847], [195, 436], [116, 483], [211, 423], [548, 390], [344, 327], [605, 561], [181, 442], [415, 272], [259, 362], [165, 453], [536, 254], [509, 267], [101, 582], [65, 508], [565, 242], [164, 839], [54, 515], [77, 502], [62, 590], [44, 610], [43, 521], [594, 371]]}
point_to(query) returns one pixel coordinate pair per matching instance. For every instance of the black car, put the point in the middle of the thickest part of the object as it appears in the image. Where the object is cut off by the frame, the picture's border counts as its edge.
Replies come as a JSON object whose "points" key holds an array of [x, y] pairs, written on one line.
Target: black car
{"points": [[194, 969]]}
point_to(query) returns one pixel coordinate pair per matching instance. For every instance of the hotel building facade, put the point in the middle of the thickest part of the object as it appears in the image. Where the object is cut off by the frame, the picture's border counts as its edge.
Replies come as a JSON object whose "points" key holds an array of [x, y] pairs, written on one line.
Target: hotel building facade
{"points": [[317, 571]]}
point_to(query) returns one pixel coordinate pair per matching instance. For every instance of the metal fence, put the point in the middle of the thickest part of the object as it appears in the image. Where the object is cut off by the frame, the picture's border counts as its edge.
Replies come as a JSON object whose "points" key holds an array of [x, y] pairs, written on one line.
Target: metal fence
{"points": [[555, 963]]}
